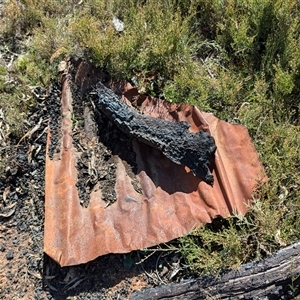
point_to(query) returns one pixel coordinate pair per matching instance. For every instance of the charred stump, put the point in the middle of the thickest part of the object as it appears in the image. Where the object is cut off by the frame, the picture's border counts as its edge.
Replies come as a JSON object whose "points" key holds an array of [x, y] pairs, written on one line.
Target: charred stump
{"points": [[173, 139]]}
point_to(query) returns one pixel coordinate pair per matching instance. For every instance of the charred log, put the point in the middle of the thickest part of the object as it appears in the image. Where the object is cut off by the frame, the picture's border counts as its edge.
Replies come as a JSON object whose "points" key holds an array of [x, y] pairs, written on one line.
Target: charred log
{"points": [[275, 277], [173, 139]]}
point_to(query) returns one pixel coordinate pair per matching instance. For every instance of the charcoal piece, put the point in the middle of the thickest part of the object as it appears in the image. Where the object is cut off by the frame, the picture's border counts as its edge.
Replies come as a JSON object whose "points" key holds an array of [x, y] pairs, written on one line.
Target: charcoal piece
{"points": [[173, 139]]}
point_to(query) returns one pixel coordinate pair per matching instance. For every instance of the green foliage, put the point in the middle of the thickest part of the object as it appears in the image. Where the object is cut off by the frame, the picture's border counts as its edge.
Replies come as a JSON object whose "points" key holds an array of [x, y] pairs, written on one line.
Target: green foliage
{"points": [[153, 46], [13, 101], [208, 251], [14, 109]]}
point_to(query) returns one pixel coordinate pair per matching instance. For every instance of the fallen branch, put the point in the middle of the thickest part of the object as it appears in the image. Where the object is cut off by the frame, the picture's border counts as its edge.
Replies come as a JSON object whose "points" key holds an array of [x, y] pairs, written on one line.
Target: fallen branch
{"points": [[275, 277], [173, 139]]}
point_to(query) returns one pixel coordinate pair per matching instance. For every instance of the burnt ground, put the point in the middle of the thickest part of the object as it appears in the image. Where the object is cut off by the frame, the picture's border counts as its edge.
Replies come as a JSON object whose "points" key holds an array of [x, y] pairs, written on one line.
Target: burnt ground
{"points": [[97, 141], [25, 271]]}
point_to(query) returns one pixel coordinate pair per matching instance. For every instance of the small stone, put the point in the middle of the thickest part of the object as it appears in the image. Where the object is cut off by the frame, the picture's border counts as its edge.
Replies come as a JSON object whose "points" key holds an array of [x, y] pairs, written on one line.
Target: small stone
{"points": [[2, 248], [10, 255], [22, 226], [9, 275], [20, 295], [164, 271]]}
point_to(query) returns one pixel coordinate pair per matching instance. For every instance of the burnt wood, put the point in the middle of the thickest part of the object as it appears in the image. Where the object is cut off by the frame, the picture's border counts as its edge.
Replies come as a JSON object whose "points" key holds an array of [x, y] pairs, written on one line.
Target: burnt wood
{"points": [[275, 277], [173, 139]]}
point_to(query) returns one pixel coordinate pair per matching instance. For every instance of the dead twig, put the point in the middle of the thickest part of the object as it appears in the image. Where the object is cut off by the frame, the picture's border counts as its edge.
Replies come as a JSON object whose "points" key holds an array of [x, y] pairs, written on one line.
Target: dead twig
{"points": [[10, 210], [31, 132], [156, 271], [145, 258], [44, 131]]}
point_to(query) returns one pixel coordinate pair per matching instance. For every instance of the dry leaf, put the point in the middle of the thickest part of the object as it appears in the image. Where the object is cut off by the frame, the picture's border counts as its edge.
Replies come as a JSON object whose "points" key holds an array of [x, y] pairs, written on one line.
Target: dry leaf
{"points": [[5, 193]]}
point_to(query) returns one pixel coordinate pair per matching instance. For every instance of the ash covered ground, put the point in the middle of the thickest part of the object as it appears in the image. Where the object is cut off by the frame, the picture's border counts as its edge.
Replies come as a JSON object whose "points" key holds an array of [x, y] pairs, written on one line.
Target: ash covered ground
{"points": [[26, 272]]}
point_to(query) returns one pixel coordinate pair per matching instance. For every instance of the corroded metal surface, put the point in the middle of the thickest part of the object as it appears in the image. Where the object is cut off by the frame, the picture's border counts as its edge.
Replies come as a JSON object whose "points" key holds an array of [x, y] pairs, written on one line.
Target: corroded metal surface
{"points": [[172, 201]]}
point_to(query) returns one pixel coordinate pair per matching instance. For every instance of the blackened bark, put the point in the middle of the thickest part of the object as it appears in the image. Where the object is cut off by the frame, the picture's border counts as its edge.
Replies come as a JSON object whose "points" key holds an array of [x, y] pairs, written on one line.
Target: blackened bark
{"points": [[173, 139], [275, 277]]}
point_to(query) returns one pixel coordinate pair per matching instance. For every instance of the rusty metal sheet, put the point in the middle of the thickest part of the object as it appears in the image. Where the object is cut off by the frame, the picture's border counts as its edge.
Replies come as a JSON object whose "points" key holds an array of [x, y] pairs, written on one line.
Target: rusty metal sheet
{"points": [[172, 200]]}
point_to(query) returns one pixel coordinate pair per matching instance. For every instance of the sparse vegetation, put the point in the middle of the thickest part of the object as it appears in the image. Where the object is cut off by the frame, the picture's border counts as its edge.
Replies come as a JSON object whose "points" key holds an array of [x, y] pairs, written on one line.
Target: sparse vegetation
{"points": [[237, 59]]}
